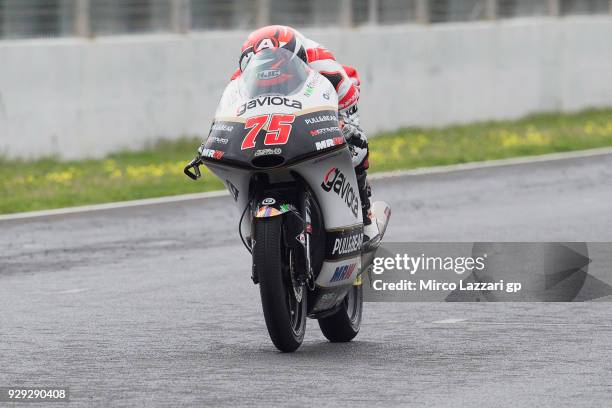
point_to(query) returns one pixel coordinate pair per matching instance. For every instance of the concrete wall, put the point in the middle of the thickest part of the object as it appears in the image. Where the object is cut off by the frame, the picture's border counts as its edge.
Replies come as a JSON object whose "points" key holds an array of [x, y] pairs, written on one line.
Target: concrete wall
{"points": [[81, 98]]}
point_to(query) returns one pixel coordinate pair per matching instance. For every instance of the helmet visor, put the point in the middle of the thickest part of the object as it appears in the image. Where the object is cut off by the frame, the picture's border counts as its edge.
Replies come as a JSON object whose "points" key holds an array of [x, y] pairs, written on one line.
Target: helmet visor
{"points": [[273, 71]]}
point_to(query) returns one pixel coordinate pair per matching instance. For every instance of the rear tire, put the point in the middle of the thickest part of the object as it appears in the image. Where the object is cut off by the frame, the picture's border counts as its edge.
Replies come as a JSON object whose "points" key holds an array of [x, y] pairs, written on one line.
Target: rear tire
{"points": [[344, 325], [285, 316]]}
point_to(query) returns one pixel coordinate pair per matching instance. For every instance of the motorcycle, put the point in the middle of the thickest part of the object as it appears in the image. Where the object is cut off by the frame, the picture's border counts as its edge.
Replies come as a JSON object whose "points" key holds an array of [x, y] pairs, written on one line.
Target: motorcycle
{"points": [[276, 143]]}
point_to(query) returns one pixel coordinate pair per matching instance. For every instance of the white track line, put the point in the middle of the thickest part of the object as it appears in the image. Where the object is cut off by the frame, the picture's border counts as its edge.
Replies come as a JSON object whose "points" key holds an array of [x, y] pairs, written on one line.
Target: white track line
{"points": [[377, 176], [539, 324], [70, 291], [493, 163], [449, 321], [112, 206]]}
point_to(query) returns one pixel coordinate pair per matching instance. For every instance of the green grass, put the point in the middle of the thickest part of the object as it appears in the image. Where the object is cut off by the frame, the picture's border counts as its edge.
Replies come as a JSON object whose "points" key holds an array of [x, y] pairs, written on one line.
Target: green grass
{"points": [[50, 183], [533, 135]]}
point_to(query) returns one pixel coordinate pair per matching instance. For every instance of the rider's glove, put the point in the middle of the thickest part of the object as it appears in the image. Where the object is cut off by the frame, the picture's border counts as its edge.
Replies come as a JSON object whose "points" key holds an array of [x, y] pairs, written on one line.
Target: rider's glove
{"points": [[353, 135], [350, 130]]}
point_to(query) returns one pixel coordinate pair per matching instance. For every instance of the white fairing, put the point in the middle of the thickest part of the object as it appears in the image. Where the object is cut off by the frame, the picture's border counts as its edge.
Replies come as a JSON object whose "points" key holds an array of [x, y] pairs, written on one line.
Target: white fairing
{"points": [[340, 210], [331, 177]]}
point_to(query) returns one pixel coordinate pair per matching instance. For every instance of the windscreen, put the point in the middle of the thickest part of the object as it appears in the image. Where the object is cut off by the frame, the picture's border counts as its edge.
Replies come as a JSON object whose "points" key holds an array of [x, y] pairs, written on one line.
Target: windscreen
{"points": [[273, 71]]}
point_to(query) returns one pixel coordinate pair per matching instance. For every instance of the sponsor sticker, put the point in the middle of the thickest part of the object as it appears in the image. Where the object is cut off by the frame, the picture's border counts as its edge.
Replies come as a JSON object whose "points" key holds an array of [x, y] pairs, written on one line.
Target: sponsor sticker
{"points": [[214, 139], [287, 207], [327, 143], [343, 272], [348, 244], [320, 118], [335, 181], [265, 152], [268, 74], [264, 212], [343, 243], [267, 101], [222, 127], [213, 154], [266, 43], [310, 86], [322, 131]]}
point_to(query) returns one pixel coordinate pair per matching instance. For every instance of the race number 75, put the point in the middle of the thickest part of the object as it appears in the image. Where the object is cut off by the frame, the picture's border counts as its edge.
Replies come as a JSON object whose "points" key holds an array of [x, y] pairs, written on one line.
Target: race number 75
{"points": [[279, 128]]}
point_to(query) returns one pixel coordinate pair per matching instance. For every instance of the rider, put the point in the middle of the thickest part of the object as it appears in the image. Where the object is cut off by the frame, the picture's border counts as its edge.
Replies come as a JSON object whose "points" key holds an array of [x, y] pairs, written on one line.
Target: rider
{"points": [[346, 82]]}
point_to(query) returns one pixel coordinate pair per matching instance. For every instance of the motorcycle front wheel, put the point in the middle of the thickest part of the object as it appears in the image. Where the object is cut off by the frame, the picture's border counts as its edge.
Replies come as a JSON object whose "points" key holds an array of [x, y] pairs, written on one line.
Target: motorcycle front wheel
{"points": [[284, 310], [344, 325]]}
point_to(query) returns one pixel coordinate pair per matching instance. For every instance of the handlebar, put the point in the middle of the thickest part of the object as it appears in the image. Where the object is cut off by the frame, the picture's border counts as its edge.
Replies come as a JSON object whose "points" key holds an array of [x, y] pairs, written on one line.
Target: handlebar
{"points": [[195, 165]]}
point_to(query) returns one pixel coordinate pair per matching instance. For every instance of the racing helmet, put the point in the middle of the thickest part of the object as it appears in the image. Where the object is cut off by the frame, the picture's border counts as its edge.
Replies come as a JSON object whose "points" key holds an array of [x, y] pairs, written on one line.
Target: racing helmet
{"points": [[274, 36]]}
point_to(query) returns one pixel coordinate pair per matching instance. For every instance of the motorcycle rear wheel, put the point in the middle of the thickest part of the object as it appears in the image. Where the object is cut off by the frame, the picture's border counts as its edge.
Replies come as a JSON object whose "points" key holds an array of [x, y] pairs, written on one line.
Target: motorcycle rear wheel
{"points": [[344, 325], [285, 316]]}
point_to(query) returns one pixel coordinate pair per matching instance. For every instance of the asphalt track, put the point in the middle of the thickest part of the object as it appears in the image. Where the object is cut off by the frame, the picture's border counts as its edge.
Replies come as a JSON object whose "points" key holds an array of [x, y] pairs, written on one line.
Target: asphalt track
{"points": [[153, 306]]}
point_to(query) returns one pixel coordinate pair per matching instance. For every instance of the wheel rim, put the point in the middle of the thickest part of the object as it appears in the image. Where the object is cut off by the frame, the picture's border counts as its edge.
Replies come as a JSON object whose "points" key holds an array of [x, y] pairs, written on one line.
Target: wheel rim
{"points": [[296, 311]]}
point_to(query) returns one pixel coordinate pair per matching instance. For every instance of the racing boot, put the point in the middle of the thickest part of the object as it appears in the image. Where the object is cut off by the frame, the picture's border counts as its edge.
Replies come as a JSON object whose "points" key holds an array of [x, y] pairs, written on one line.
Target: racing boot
{"points": [[358, 142], [370, 228]]}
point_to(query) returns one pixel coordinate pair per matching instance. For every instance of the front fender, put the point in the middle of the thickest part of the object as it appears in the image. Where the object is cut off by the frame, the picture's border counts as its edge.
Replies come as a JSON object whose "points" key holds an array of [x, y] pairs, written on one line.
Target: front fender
{"points": [[271, 207]]}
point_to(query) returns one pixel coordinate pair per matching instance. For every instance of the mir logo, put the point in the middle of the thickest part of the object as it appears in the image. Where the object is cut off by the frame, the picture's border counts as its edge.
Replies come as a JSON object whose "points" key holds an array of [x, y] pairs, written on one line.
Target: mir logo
{"points": [[343, 272]]}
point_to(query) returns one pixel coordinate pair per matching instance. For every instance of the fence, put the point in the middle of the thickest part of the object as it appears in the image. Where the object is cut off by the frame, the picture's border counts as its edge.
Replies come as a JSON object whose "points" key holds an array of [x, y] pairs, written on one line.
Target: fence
{"points": [[88, 18]]}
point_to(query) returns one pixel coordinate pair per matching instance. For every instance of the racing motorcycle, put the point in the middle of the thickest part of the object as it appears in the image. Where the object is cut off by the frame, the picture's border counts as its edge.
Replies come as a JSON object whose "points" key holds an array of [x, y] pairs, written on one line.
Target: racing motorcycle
{"points": [[276, 143]]}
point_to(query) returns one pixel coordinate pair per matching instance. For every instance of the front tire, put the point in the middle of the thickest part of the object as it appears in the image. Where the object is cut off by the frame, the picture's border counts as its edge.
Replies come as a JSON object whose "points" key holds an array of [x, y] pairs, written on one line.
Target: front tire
{"points": [[344, 325], [285, 316]]}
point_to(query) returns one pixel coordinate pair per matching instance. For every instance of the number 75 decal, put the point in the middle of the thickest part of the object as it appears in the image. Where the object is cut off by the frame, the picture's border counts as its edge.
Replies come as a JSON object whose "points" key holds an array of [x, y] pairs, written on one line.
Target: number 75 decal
{"points": [[279, 129]]}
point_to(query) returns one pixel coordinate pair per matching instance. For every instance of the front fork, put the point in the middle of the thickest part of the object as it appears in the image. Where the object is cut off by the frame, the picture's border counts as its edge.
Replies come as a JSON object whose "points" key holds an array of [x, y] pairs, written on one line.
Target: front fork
{"points": [[307, 235], [297, 231]]}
